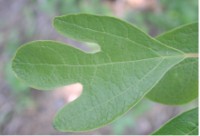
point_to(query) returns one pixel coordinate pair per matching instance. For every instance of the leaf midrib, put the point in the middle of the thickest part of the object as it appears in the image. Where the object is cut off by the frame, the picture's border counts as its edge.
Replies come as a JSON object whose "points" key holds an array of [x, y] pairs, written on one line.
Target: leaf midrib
{"points": [[102, 64]]}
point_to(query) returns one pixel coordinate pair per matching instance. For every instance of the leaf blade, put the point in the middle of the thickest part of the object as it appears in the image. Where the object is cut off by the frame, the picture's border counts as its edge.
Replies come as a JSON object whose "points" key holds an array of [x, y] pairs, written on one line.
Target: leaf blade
{"points": [[184, 124], [114, 79], [184, 86]]}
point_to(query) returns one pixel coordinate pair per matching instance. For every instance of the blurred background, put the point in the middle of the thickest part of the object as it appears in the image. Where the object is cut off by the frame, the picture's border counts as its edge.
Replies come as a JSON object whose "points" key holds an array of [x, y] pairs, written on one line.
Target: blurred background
{"points": [[24, 110]]}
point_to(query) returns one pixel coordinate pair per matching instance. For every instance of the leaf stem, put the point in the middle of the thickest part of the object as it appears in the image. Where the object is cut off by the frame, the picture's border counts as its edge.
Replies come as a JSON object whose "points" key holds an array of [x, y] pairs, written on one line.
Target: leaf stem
{"points": [[192, 55]]}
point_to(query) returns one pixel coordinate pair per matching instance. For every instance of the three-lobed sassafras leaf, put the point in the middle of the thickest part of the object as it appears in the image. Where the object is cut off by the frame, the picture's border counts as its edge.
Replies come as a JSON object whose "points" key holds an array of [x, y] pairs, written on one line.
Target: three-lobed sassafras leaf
{"points": [[184, 124], [114, 79], [180, 84]]}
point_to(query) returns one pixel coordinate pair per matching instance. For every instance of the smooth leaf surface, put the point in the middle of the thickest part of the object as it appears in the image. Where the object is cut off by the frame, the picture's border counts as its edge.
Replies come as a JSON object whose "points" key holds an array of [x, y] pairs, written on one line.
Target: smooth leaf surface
{"points": [[114, 79], [180, 84], [184, 124]]}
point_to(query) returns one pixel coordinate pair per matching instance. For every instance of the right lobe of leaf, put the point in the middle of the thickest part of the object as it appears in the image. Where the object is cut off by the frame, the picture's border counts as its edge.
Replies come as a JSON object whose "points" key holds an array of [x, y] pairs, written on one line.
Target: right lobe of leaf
{"points": [[184, 124], [180, 84]]}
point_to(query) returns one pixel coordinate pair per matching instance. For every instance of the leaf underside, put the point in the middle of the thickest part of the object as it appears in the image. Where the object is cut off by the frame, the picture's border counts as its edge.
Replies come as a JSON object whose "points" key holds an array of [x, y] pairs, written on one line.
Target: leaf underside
{"points": [[114, 79], [184, 124], [180, 84]]}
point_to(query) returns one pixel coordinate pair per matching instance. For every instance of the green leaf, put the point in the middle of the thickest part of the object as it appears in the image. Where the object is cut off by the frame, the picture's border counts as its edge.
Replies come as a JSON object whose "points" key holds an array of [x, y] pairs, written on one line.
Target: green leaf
{"points": [[180, 84], [184, 124], [114, 79]]}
